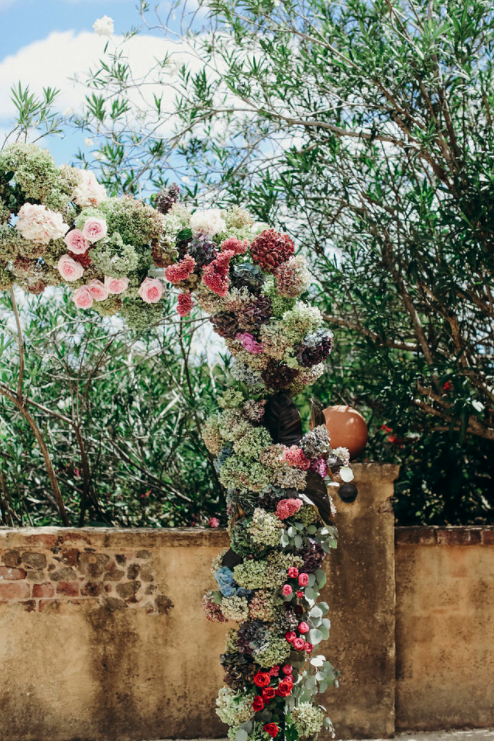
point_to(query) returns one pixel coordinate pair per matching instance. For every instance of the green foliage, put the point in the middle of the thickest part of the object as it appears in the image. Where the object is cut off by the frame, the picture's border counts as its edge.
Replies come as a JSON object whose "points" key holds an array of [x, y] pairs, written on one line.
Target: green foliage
{"points": [[131, 404]]}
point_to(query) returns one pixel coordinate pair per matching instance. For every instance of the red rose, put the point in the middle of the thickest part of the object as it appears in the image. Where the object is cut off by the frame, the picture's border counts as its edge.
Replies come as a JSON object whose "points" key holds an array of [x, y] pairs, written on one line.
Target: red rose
{"points": [[303, 628], [308, 647], [258, 703], [287, 669], [290, 636], [303, 580], [268, 693], [284, 688], [272, 729], [298, 644], [262, 679], [289, 679], [274, 671], [293, 572], [300, 595]]}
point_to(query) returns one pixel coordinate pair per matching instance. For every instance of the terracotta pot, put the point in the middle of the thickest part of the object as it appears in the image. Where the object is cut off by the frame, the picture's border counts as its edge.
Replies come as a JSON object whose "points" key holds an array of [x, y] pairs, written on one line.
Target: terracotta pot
{"points": [[347, 429]]}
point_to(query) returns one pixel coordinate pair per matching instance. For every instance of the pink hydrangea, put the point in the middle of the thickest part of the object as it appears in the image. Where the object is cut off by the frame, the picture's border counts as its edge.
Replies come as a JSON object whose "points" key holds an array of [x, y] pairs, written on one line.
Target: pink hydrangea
{"points": [[215, 275], [287, 508], [185, 304], [76, 242], [237, 246], [181, 271], [249, 343], [320, 467], [151, 290], [295, 457]]}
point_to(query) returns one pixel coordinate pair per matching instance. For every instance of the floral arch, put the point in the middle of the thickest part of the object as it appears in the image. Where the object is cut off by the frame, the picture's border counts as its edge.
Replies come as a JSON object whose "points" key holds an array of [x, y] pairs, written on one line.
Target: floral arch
{"points": [[120, 255]]}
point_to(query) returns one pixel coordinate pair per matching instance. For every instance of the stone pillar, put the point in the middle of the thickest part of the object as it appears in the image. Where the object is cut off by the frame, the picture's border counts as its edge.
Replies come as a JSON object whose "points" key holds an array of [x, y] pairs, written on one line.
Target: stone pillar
{"points": [[360, 591]]}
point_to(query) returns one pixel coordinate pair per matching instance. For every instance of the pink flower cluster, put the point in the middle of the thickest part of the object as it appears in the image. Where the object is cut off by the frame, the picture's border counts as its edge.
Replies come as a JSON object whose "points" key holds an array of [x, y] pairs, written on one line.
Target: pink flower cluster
{"points": [[39, 224], [215, 274], [320, 467], [185, 304], [295, 457], [249, 343], [288, 507], [237, 246], [181, 270]]}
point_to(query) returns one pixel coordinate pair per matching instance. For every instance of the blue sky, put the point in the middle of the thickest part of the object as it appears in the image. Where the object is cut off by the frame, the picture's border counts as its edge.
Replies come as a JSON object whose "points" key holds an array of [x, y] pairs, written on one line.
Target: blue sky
{"points": [[45, 42]]}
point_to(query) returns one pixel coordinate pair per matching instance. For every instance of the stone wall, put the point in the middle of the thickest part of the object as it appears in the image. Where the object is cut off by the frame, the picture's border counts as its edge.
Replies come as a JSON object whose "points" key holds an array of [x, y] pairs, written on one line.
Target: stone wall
{"points": [[102, 635], [444, 627]]}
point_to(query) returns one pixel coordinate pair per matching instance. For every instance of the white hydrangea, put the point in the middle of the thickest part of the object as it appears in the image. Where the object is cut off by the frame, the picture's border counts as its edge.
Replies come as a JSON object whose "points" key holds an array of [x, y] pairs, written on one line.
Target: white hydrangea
{"points": [[104, 26], [308, 719], [233, 707], [39, 224], [208, 222], [235, 608], [88, 192], [177, 218]]}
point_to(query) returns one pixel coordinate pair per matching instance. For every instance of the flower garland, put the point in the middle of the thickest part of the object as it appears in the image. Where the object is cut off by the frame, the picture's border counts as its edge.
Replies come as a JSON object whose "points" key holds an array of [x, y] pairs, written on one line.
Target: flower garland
{"points": [[246, 276], [57, 225]]}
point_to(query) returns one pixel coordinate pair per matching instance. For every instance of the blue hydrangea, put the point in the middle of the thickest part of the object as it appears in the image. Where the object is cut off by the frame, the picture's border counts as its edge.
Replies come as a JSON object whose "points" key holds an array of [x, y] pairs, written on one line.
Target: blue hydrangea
{"points": [[226, 582]]}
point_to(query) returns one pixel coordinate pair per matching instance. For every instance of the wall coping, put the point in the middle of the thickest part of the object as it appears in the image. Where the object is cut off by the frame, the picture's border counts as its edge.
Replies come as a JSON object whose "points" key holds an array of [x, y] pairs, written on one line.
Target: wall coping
{"points": [[451, 535]]}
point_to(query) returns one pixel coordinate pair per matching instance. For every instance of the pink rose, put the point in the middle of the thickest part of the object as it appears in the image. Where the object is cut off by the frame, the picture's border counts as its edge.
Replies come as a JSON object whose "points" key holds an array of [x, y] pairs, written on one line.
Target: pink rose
{"points": [[303, 628], [287, 590], [274, 671], [303, 580], [94, 229], [151, 290], [288, 669], [298, 644], [82, 298], [69, 269], [290, 636], [308, 647], [214, 522], [293, 572], [76, 242], [116, 285], [97, 289]]}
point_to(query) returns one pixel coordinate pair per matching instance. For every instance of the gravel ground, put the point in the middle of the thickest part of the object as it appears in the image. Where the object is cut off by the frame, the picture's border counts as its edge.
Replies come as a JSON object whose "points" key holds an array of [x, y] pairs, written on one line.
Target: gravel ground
{"points": [[472, 734]]}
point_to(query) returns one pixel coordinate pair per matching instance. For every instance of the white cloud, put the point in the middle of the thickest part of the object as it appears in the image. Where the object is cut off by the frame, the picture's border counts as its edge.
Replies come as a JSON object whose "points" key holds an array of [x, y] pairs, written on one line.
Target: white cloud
{"points": [[52, 61]]}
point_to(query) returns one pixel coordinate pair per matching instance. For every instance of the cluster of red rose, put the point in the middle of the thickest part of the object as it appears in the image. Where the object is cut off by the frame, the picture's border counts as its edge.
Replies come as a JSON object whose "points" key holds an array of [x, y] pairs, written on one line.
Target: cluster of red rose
{"points": [[284, 687]]}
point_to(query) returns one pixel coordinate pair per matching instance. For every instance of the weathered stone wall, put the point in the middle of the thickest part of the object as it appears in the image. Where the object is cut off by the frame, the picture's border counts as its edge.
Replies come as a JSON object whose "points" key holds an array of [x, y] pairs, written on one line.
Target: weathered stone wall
{"points": [[102, 635], [444, 627]]}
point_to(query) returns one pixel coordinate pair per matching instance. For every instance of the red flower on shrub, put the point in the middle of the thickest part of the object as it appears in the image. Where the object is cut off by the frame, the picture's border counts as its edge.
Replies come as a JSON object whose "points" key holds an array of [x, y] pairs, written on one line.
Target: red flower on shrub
{"points": [[284, 688], [268, 693], [262, 679], [258, 703]]}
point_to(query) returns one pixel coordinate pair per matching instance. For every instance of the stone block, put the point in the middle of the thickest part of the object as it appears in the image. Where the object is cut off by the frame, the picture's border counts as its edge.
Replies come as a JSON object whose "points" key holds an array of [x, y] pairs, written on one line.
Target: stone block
{"points": [[14, 590], [34, 560], [7, 573], [11, 558], [128, 589], [44, 590], [68, 588], [65, 574], [92, 564]]}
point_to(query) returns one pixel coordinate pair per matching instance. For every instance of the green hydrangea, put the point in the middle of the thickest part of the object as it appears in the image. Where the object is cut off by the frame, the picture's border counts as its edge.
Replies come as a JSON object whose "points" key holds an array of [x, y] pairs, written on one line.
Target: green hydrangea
{"points": [[301, 320], [136, 222], [35, 170], [274, 650], [307, 515], [243, 474], [4, 212], [177, 219], [237, 218], [279, 304], [12, 244], [250, 574], [211, 434], [308, 719], [235, 608], [233, 707], [231, 399], [139, 315], [7, 279], [265, 528], [114, 258], [277, 568], [251, 445], [233, 425], [108, 307]]}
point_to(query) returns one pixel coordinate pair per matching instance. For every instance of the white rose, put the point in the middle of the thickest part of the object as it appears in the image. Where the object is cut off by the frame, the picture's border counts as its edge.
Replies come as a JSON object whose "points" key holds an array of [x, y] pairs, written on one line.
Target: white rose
{"points": [[207, 222], [104, 26], [88, 192]]}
